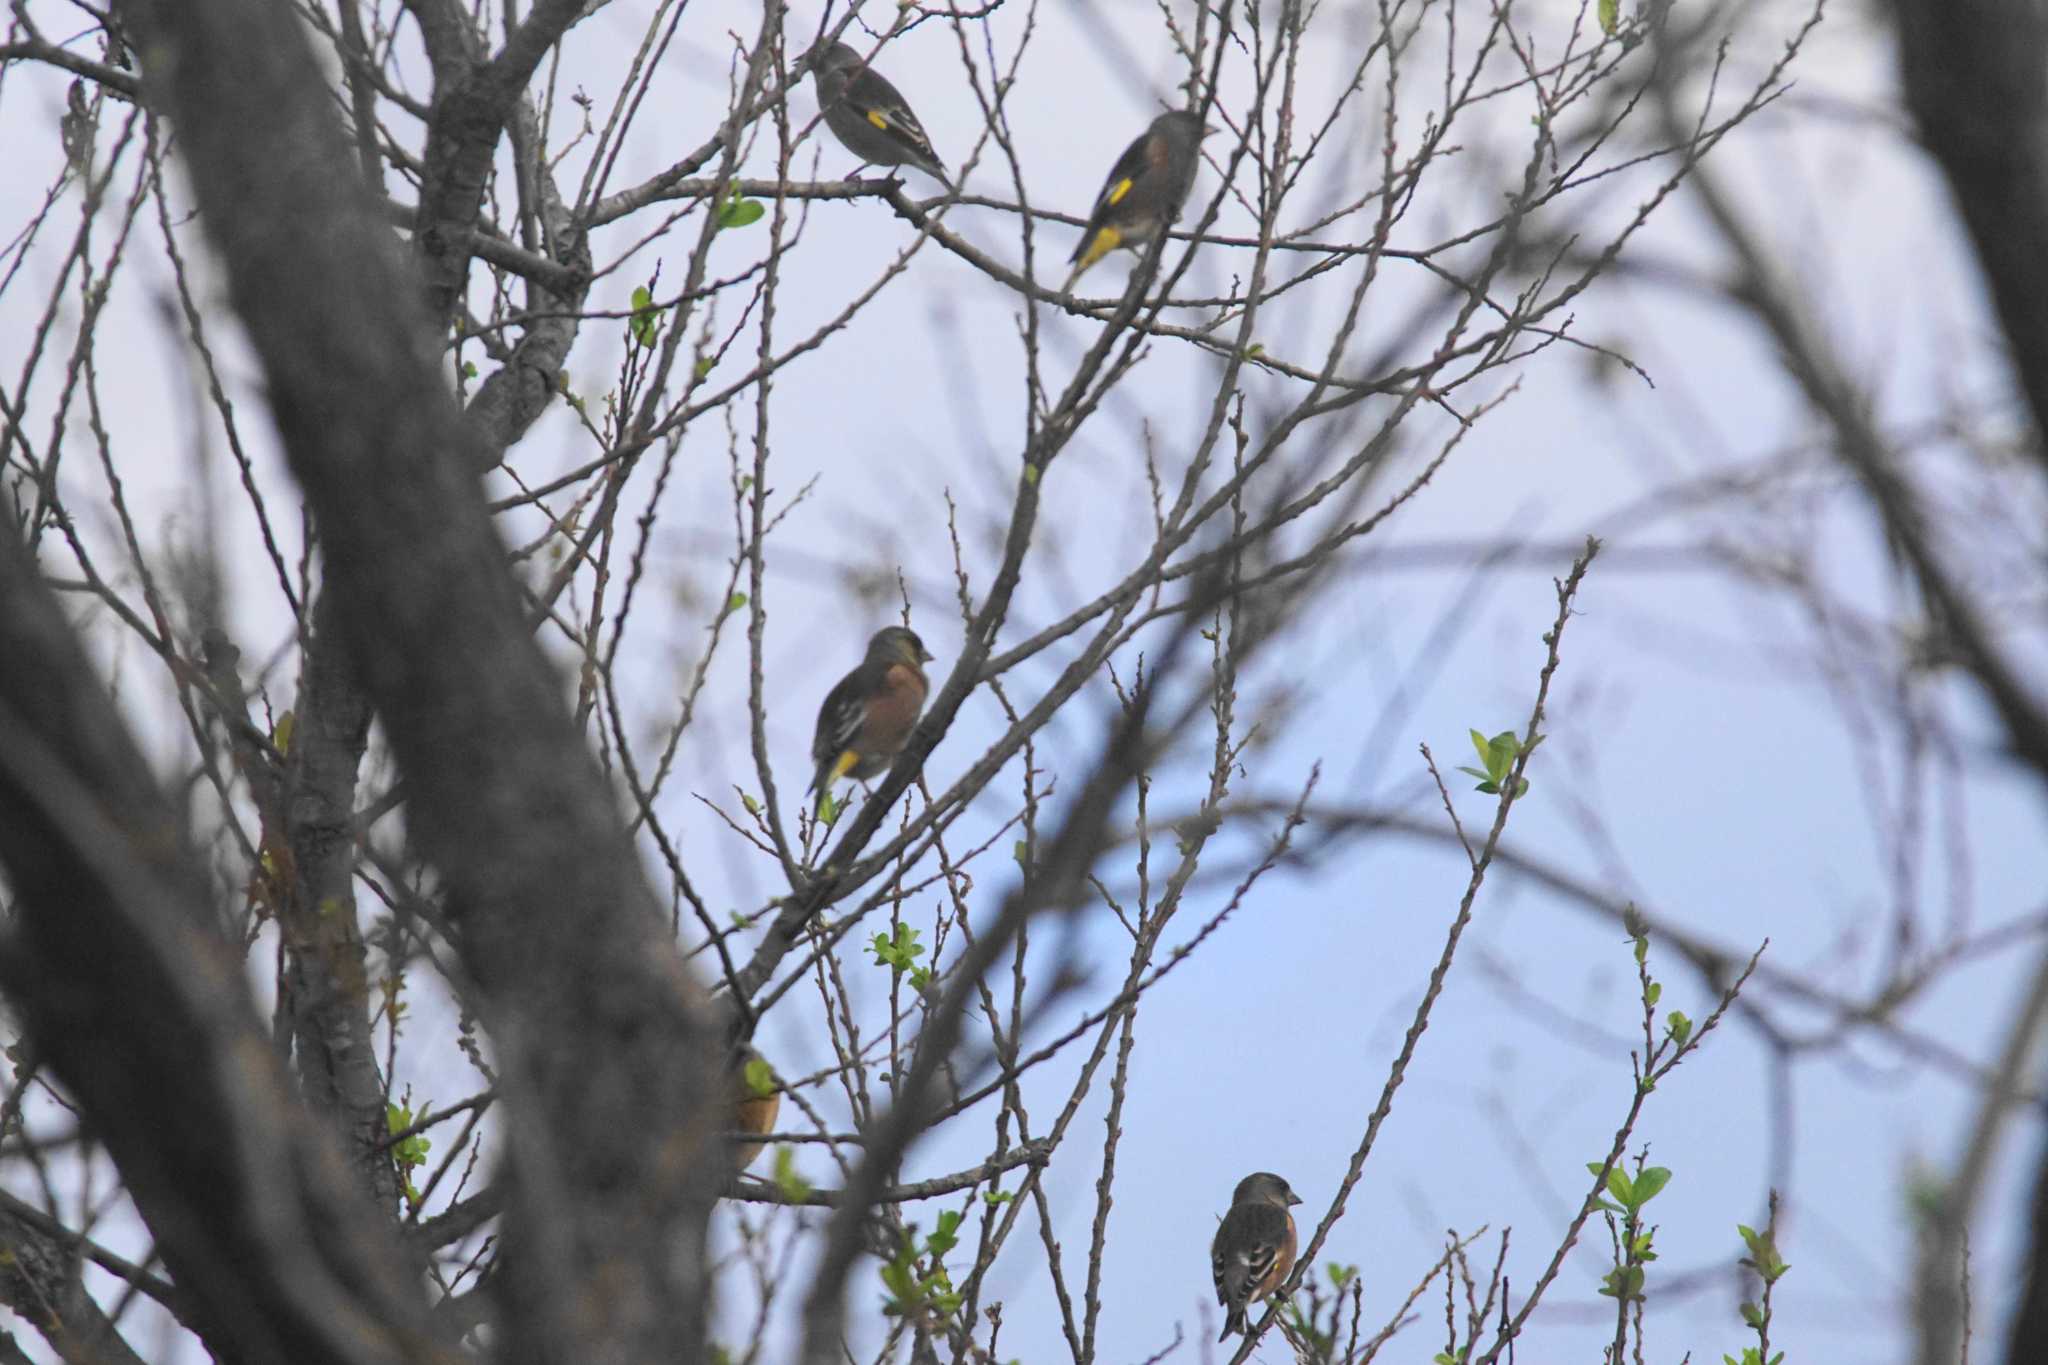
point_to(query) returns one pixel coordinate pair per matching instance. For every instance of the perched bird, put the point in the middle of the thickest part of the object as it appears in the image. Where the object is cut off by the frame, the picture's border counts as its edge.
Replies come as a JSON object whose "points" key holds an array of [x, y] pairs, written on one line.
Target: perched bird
{"points": [[1144, 192], [869, 714], [1254, 1249], [757, 1101], [870, 116]]}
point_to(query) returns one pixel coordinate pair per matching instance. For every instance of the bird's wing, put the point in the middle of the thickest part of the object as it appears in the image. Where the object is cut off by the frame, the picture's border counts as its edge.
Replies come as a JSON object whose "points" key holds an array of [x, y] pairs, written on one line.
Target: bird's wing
{"points": [[883, 106], [840, 718], [1138, 158], [1247, 1247], [1137, 161]]}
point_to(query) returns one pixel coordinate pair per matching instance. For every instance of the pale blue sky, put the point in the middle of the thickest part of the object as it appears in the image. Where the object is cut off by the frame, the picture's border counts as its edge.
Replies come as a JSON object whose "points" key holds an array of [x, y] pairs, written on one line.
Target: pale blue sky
{"points": [[1688, 717]]}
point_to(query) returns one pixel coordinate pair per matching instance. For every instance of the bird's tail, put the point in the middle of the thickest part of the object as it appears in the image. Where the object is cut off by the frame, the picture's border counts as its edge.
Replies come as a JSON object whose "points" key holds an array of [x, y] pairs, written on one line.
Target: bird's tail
{"points": [[1093, 249], [1233, 1321], [829, 773]]}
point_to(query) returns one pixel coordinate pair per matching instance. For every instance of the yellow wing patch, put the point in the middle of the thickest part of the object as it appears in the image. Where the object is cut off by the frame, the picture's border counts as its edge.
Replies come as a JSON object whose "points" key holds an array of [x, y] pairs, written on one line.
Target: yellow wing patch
{"points": [[879, 119], [843, 765], [1117, 192]]}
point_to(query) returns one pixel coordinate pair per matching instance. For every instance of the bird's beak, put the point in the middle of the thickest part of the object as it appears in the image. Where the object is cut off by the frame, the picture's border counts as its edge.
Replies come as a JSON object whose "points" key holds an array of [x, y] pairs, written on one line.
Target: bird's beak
{"points": [[1293, 1199], [928, 656]]}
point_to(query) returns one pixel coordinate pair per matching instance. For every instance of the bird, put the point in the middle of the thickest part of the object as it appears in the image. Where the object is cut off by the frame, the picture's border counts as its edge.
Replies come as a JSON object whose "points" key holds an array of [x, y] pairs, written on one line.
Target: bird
{"points": [[1254, 1249], [757, 1102], [870, 116], [1144, 192], [868, 715]]}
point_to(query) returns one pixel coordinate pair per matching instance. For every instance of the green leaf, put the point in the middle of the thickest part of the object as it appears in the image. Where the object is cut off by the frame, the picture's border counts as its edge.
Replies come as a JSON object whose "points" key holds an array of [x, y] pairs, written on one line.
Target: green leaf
{"points": [[735, 602], [1653, 994], [1610, 16], [644, 325], [408, 1154], [995, 1199], [1618, 1183], [1480, 743], [896, 1276], [704, 364], [899, 953], [792, 1185], [753, 806], [1679, 1027], [1498, 756], [738, 213], [1021, 851], [1763, 1254], [1752, 1315], [1624, 1282], [281, 733], [1648, 1183], [760, 1078]]}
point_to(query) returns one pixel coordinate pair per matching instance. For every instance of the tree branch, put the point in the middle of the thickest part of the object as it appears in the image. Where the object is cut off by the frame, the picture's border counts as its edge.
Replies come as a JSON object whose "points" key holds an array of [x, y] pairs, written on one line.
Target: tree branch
{"points": [[1975, 74], [140, 1008], [606, 1044]]}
